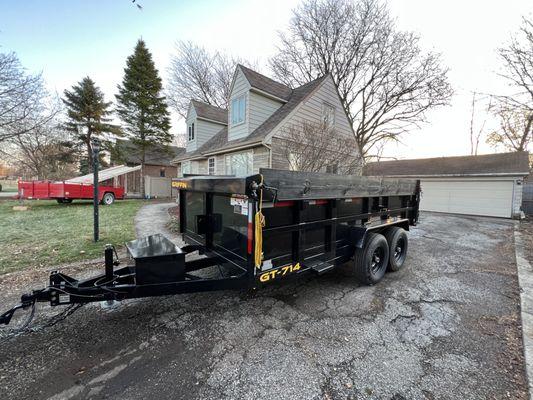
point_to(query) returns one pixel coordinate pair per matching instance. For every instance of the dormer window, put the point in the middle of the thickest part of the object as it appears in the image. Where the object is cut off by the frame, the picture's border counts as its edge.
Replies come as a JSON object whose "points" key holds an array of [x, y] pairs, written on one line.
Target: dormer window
{"points": [[191, 132], [238, 110]]}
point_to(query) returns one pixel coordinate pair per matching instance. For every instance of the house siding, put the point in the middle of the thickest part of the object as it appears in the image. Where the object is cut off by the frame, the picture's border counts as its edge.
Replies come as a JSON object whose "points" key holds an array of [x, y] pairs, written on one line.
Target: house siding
{"points": [[240, 87], [191, 117], [311, 111], [155, 170], [202, 166], [205, 130], [220, 167], [260, 109], [261, 158], [279, 161]]}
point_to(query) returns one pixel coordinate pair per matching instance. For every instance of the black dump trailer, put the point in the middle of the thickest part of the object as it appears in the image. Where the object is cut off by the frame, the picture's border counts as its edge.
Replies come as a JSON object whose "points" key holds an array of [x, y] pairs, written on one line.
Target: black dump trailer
{"points": [[250, 231]]}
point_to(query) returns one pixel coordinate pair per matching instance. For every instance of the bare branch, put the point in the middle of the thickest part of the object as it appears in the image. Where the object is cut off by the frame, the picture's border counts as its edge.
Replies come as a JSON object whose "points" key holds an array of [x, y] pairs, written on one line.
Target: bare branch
{"points": [[195, 73], [385, 81], [314, 147]]}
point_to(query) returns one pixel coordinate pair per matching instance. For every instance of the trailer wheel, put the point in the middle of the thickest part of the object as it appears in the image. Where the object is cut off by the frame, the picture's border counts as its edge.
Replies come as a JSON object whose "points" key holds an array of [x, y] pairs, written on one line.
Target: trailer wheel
{"points": [[108, 199], [398, 244], [370, 262]]}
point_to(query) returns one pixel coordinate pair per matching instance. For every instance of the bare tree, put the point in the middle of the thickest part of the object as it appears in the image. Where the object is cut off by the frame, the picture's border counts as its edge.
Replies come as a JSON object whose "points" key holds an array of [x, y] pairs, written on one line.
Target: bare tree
{"points": [[21, 97], [196, 73], [386, 82], [477, 130], [44, 150], [511, 135], [516, 110], [314, 147]]}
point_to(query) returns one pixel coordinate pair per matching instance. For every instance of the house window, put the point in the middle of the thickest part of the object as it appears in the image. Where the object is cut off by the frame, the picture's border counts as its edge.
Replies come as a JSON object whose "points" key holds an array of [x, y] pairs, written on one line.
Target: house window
{"points": [[238, 110], [185, 167], [211, 165], [332, 168], [191, 132], [239, 164], [162, 172], [328, 115]]}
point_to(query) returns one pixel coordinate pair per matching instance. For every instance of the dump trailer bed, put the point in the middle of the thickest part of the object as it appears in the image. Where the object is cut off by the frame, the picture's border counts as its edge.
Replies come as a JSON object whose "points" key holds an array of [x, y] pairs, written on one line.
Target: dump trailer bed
{"points": [[251, 231]]}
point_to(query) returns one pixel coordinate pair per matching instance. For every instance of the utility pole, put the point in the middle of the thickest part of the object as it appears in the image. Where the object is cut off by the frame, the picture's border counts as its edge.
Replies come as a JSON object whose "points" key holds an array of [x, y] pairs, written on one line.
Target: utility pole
{"points": [[95, 145]]}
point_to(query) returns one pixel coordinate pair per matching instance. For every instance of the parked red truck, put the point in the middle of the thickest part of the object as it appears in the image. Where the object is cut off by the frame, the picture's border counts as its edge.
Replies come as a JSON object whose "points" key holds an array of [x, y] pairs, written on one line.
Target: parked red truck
{"points": [[65, 192]]}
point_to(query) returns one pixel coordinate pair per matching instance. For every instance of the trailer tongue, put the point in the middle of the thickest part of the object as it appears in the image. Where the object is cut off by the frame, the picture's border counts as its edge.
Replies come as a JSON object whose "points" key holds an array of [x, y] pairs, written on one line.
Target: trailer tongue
{"points": [[253, 230]]}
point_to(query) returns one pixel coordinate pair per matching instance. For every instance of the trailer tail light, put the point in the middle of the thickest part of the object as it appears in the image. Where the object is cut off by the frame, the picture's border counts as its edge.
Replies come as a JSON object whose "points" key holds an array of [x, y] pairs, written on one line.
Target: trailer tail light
{"points": [[250, 230], [283, 203]]}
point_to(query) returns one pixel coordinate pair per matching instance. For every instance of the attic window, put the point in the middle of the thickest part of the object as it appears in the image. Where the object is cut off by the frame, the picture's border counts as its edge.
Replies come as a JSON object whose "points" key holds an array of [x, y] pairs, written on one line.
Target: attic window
{"points": [[238, 110], [328, 115], [191, 132]]}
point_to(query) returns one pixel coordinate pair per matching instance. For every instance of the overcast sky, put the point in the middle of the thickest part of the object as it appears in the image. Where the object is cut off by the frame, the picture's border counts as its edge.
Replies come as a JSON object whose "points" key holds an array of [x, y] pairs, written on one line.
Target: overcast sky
{"points": [[69, 39]]}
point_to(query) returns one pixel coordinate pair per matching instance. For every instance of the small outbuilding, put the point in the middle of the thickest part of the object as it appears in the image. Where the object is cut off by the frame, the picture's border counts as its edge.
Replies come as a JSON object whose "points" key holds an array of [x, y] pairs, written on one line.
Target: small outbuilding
{"points": [[156, 174], [489, 185]]}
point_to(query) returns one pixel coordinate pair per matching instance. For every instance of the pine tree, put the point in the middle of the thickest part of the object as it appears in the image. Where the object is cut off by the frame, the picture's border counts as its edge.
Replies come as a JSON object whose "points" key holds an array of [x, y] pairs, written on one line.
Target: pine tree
{"points": [[88, 116], [141, 106]]}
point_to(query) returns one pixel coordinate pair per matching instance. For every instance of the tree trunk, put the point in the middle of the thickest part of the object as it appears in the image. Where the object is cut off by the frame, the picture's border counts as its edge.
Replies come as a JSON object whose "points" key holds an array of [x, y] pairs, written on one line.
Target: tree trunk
{"points": [[89, 154]]}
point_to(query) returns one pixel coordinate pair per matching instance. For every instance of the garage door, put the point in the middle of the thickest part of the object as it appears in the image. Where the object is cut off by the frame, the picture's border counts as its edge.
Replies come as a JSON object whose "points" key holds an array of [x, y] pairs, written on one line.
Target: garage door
{"points": [[492, 198]]}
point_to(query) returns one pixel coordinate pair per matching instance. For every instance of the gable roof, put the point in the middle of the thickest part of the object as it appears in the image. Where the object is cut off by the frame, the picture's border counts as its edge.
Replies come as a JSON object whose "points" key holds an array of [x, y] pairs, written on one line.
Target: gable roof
{"points": [[209, 111], [219, 142], [127, 152], [266, 84], [516, 163]]}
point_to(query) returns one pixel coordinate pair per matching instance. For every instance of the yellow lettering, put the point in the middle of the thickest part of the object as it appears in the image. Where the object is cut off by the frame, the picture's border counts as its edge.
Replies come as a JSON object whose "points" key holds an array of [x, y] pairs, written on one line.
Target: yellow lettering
{"points": [[264, 277], [179, 185]]}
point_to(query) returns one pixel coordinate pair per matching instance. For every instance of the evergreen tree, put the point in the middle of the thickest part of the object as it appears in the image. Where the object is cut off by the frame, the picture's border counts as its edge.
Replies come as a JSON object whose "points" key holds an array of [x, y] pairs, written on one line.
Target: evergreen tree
{"points": [[141, 106], [88, 116]]}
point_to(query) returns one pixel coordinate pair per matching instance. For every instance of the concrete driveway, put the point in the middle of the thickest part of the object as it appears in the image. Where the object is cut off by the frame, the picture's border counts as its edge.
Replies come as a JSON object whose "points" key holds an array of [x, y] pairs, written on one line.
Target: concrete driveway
{"points": [[446, 327]]}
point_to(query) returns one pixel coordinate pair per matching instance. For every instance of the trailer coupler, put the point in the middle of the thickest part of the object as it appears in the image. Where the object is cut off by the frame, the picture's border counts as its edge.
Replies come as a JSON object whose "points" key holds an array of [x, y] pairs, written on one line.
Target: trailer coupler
{"points": [[26, 301]]}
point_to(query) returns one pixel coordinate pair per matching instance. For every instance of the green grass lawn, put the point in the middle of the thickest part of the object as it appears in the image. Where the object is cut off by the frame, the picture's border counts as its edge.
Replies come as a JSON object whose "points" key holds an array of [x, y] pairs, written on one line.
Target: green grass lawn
{"points": [[48, 234]]}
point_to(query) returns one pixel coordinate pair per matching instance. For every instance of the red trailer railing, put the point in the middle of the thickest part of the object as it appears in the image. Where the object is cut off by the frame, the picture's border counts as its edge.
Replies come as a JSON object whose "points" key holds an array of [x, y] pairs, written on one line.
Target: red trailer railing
{"points": [[65, 192]]}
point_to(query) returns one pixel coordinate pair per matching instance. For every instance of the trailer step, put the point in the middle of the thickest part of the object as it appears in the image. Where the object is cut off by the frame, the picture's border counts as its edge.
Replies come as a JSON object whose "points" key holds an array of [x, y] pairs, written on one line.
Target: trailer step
{"points": [[322, 267]]}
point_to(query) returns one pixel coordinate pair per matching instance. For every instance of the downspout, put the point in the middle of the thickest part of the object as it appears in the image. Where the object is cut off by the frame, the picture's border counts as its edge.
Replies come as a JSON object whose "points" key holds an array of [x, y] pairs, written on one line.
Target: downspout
{"points": [[269, 154]]}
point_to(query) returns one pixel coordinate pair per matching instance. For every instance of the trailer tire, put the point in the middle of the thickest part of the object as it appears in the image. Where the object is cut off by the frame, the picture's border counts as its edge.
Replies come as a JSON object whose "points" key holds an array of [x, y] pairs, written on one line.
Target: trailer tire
{"points": [[398, 245], [370, 262], [108, 199]]}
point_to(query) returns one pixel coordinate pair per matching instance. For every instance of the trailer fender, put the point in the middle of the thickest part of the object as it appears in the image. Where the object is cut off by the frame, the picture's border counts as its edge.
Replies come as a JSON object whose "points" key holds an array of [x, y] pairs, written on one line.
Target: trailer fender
{"points": [[358, 235]]}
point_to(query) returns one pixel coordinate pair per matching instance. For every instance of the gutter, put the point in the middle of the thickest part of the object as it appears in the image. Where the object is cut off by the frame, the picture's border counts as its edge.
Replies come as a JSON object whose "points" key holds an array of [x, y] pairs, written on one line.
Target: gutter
{"points": [[228, 149], [503, 174], [266, 94], [212, 120]]}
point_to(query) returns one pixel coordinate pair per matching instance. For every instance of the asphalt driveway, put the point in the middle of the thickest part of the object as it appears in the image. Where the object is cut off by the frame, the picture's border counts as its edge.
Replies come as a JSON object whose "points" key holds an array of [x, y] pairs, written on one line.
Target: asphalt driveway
{"points": [[445, 327]]}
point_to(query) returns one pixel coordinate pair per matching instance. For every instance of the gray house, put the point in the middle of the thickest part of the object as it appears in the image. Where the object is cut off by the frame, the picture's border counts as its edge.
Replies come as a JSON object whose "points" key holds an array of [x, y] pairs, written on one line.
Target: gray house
{"points": [[251, 134]]}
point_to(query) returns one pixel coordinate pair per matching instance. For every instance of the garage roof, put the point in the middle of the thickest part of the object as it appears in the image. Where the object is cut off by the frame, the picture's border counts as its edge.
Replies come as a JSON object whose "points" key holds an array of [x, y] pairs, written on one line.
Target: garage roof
{"points": [[105, 174], [516, 163]]}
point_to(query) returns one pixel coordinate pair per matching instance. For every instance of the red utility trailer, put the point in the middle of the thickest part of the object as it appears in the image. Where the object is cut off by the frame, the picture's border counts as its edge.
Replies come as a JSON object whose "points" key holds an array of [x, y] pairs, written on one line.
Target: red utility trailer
{"points": [[65, 192]]}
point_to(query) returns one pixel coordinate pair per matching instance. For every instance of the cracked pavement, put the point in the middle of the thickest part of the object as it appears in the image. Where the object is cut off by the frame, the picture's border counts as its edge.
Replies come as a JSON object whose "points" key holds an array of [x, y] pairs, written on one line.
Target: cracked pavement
{"points": [[445, 327]]}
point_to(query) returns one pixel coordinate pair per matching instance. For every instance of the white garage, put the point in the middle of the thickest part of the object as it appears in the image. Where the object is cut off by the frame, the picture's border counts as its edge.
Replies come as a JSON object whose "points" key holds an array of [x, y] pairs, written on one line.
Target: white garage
{"points": [[489, 185]]}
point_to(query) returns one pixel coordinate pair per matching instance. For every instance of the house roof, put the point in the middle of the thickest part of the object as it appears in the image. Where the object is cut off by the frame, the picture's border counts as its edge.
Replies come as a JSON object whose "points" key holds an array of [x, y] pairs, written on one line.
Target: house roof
{"points": [[211, 112], [219, 142], [266, 84], [128, 153], [516, 163]]}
